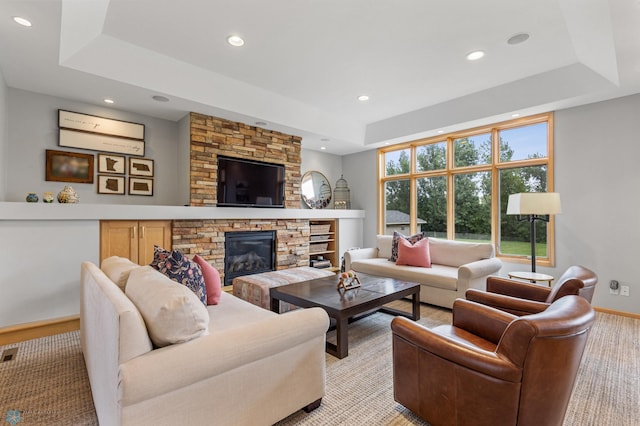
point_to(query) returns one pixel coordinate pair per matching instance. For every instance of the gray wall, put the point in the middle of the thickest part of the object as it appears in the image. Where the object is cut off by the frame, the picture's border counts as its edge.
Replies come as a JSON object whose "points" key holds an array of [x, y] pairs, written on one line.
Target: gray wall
{"points": [[33, 127], [4, 137], [597, 175], [328, 164]]}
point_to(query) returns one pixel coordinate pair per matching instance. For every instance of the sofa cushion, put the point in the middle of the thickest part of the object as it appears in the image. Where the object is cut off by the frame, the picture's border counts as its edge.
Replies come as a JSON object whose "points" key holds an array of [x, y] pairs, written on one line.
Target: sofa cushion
{"points": [[383, 244], [445, 277], [414, 254], [211, 280], [186, 272], [397, 236], [171, 312], [118, 269], [458, 253]]}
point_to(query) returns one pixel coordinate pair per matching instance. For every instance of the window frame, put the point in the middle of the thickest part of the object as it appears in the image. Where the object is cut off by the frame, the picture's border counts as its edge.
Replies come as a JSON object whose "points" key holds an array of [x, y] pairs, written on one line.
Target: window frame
{"points": [[450, 171]]}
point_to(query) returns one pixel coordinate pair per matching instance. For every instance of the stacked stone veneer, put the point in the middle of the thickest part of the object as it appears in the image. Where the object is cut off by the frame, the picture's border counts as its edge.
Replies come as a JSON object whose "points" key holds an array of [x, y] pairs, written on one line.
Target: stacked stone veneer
{"points": [[206, 238], [210, 137]]}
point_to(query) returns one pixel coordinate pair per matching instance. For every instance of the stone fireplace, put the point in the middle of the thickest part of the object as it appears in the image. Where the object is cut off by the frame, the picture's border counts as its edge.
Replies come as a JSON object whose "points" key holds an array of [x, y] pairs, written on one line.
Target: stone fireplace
{"points": [[212, 136], [248, 253]]}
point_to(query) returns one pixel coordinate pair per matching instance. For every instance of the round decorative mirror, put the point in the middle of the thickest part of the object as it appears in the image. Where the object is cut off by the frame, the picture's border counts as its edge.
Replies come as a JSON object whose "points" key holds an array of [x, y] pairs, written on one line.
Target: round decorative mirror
{"points": [[316, 190]]}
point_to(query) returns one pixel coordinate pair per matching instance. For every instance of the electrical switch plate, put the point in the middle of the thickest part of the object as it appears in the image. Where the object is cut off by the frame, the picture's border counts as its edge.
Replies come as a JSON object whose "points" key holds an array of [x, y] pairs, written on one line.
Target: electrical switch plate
{"points": [[624, 290], [616, 291]]}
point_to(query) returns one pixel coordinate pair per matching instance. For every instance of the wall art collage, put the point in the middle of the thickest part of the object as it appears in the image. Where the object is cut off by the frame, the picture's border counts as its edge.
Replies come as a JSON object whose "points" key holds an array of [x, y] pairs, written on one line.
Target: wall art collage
{"points": [[121, 163]]}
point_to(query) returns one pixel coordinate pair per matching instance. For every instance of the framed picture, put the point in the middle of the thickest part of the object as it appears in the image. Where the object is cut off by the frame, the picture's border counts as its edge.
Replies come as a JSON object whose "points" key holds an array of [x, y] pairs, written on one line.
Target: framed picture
{"points": [[108, 184], [140, 167], [95, 124], [115, 164], [63, 166], [140, 186], [99, 142]]}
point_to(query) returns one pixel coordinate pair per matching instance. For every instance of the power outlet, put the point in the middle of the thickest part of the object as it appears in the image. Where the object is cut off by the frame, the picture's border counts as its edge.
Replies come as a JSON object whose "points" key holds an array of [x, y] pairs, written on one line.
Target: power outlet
{"points": [[624, 290]]}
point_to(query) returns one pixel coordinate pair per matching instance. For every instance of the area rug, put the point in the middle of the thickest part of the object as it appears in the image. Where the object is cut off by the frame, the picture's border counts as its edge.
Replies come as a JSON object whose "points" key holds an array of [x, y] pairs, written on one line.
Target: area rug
{"points": [[47, 384]]}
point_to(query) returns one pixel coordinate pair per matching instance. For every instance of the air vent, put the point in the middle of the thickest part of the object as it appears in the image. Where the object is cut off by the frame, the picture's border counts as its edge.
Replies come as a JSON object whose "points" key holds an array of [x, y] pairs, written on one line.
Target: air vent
{"points": [[9, 354]]}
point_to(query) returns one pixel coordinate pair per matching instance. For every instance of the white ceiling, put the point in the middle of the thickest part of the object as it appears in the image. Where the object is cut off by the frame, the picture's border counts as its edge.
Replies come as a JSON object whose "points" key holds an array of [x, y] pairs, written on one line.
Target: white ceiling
{"points": [[305, 62]]}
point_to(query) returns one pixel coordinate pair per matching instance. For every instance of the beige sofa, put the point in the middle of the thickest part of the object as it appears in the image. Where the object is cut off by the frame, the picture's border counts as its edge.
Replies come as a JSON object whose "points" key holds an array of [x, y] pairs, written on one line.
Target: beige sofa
{"points": [[455, 267], [249, 366]]}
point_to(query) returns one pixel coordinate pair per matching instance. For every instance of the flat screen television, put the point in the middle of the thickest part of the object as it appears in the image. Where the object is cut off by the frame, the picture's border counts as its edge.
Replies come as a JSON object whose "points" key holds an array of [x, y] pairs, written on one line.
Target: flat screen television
{"points": [[247, 183]]}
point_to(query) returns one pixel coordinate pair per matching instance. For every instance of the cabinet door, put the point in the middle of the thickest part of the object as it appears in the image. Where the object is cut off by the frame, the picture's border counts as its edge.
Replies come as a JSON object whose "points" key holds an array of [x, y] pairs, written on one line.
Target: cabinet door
{"points": [[153, 232], [119, 238]]}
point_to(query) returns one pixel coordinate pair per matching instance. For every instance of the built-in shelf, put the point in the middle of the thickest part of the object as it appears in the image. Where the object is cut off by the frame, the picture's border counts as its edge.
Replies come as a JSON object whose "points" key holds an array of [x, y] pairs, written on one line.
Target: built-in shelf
{"points": [[322, 242]]}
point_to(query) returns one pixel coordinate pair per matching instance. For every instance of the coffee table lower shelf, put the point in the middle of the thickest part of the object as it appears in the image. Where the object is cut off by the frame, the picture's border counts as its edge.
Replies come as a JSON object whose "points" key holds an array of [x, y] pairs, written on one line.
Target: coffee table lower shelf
{"points": [[342, 305]]}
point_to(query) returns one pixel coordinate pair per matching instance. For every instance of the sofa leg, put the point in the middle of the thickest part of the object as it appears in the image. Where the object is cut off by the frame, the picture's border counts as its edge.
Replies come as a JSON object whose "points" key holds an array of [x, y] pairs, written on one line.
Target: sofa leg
{"points": [[315, 404]]}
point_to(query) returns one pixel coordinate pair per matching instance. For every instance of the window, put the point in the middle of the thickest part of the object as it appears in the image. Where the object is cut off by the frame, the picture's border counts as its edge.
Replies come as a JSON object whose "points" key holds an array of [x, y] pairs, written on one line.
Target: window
{"points": [[457, 186]]}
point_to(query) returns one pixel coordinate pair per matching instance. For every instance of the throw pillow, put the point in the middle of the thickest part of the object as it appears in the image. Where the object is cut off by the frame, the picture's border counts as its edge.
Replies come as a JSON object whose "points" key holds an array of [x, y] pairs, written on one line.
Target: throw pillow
{"points": [[414, 254], [159, 256], [180, 269], [211, 280], [397, 236], [171, 312], [118, 269]]}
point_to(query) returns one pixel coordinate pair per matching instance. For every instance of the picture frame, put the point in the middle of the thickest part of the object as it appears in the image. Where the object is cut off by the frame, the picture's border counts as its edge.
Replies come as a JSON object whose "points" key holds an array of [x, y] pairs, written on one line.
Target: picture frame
{"points": [[65, 166], [112, 164], [141, 167], [98, 142], [110, 184], [102, 125], [140, 186]]}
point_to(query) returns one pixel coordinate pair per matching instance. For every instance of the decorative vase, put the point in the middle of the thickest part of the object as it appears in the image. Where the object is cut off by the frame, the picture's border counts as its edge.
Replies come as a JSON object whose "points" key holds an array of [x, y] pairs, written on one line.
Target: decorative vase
{"points": [[68, 195], [32, 197], [47, 197]]}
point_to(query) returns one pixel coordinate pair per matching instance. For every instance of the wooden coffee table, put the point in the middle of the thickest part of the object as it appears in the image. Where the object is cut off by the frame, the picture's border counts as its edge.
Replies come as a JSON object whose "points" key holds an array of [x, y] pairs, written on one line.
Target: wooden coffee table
{"points": [[342, 305]]}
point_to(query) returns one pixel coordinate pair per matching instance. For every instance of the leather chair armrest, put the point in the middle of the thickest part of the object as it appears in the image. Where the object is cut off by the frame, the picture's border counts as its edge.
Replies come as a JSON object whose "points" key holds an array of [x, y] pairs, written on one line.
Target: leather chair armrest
{"points": [[463, 353], [483, 321], [519, 289], [513, 305]]}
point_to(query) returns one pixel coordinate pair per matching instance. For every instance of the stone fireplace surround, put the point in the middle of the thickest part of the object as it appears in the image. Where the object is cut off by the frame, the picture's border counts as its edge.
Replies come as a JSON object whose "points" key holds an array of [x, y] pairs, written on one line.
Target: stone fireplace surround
{"points": [[210, 137]]}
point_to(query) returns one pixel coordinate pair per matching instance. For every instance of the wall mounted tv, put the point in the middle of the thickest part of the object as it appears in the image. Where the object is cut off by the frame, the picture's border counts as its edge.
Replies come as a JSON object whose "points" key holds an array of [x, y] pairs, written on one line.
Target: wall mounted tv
{"points": [[246, 183]]}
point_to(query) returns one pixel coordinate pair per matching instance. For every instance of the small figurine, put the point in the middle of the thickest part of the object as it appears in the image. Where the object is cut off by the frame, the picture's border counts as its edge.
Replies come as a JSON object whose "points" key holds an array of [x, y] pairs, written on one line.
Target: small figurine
{"points": [[349, 280]]}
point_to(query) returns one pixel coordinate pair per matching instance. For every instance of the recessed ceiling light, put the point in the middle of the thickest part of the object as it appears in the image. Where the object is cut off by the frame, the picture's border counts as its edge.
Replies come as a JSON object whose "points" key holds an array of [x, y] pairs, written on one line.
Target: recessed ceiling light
{"points": [[261, 123], [160, 98], [109, 101], [235, 40], [323, 148], [515, 115], [363, 98], [22, 21], [386, 143], [440, 132], [475, 55], [518, 38]]}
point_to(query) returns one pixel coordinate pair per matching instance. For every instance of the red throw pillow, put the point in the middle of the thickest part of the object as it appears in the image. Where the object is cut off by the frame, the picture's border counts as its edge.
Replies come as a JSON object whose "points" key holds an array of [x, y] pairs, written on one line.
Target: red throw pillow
{"points": [[414, 254], [211, 280]]}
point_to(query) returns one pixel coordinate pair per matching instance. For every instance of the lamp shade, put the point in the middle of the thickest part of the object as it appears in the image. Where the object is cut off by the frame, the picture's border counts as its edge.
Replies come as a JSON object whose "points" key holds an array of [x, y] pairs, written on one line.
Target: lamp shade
{"points": [[535, 203]]}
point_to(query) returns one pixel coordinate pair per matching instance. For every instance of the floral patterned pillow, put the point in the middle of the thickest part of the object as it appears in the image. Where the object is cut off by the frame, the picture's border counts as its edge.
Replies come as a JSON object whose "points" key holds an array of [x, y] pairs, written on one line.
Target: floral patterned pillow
{"points": [[394, 243], [179, 268], [159, 256]]}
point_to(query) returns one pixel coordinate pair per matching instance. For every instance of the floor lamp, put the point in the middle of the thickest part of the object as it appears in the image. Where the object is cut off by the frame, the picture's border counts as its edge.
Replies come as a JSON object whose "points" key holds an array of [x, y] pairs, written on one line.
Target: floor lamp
{"points": [[534, 206]]}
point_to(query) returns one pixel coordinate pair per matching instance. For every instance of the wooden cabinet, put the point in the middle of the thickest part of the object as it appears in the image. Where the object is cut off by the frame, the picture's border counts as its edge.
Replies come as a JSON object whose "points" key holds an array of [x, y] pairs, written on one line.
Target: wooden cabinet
{"points": [[322, 243], [134, 239]]}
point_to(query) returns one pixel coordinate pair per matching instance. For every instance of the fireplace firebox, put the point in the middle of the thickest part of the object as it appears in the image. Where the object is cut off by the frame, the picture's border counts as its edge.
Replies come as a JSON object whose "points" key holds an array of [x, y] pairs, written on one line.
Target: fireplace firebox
{"points": [[248, 253]]}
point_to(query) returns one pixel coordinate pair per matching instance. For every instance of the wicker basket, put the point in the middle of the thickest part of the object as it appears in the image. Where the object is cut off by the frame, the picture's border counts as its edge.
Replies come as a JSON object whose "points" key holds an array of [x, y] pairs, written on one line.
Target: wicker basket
{"points": [[318, 247], [320, 229]]}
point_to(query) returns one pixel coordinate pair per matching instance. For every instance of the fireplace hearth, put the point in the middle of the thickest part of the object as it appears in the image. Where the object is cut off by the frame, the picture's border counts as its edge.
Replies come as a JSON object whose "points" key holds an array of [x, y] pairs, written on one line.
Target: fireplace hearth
{"points": [[248, 253]]}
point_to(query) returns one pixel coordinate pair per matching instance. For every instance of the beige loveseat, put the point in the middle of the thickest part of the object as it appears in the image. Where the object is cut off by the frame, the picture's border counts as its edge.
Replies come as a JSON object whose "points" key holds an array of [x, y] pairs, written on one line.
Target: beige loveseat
{"points": [[455, 267], [249, 366]]}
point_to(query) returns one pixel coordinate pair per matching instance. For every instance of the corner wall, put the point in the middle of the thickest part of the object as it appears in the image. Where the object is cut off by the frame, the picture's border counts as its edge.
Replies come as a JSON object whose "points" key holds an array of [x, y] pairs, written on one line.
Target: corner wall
{"points": [[4, 138]]}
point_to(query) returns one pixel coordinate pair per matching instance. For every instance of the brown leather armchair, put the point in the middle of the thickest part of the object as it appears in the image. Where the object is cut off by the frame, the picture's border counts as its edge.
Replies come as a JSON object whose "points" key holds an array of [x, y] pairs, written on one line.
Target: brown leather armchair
{"points": [[520, 298], [491, 367]]}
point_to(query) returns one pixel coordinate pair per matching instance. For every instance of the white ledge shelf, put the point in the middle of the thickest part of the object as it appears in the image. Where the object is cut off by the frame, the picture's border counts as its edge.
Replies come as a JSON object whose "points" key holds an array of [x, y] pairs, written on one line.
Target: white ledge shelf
{"points": [[57, 211]]}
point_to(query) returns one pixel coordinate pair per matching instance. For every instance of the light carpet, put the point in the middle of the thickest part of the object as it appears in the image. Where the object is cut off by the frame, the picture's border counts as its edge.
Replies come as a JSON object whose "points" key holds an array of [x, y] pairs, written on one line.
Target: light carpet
{"points": [[47, 383]]}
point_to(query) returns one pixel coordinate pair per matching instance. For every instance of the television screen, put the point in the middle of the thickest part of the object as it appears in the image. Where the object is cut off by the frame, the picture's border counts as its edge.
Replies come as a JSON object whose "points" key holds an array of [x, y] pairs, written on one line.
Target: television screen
{"points": [[250, 183]]}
